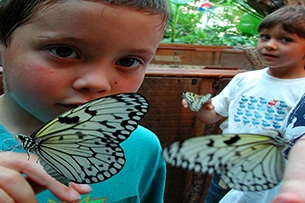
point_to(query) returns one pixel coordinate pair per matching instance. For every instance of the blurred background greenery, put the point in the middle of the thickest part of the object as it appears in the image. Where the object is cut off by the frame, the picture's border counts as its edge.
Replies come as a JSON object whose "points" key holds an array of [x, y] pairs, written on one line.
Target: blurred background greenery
{"points": [[214, 22]]}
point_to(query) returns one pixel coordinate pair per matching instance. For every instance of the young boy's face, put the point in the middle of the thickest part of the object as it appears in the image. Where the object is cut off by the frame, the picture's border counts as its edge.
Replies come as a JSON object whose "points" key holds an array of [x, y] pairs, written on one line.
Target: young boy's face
{"points": [[69, 54], [281, 50]]}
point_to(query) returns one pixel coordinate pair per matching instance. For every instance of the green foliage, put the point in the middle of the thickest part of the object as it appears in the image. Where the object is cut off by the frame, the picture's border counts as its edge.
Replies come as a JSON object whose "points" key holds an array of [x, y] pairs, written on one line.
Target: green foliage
{"points": [[222, 24]]}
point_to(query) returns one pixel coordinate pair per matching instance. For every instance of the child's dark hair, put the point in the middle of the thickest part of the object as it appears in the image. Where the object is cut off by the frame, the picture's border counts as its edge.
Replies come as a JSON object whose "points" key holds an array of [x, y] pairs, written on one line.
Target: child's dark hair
{"points": [[292, 19], [14, 13]]}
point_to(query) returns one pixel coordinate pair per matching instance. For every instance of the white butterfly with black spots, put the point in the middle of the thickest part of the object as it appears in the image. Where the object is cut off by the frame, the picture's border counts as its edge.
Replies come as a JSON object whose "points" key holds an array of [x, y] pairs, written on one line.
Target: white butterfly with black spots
{"points": [[196, 101], [247, 162], [82, 145]]}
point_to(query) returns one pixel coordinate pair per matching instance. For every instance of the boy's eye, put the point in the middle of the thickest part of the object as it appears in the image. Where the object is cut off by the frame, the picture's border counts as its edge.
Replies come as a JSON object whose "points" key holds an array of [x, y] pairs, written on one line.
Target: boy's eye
{"points": [[286, 39], [64, 52], [128, 62], [264, 37]]}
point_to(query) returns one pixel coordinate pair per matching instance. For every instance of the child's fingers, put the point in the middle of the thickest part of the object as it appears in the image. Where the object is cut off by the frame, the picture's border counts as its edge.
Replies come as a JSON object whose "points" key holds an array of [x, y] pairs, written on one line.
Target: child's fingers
{"points": [[43, 181], [208, 105], [287, 198], [5, 197], [184, 103], [37, 179], [11, 180], [70, 193], [293, 186]]}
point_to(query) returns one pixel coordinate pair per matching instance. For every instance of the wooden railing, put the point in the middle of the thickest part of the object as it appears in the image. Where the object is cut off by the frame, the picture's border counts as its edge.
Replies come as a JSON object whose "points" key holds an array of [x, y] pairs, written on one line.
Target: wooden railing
{"points": [[207, 56]]}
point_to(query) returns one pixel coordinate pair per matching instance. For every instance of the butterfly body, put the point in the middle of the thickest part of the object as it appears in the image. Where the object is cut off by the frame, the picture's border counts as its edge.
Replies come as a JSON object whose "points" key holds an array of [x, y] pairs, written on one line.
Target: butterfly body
{"points": [[83, 145], [247, 162], [28, 143], [196, 101]]}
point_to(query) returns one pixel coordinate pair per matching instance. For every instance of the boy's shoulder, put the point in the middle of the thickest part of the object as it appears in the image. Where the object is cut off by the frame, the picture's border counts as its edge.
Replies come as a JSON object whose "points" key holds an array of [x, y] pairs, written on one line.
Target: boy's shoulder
{"points": [[143, 143], [145, 136], [252, 73], [249, 76]]}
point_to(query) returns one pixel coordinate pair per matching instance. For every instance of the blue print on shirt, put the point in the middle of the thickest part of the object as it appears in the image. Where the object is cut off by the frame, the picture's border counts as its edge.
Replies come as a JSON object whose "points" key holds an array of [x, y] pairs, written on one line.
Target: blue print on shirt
{"points": [[261, 112]]}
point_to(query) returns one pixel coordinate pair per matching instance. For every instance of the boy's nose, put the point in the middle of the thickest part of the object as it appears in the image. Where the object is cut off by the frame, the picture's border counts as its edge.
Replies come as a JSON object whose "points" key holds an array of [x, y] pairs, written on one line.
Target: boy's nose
{"points": [[93, 81], [271, 44]]}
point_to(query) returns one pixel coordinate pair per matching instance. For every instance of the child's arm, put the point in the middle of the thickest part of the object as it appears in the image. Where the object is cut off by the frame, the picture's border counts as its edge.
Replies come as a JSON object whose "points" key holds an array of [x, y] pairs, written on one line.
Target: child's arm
{"points": [[206, 114], [12, 165], [293, 186]]}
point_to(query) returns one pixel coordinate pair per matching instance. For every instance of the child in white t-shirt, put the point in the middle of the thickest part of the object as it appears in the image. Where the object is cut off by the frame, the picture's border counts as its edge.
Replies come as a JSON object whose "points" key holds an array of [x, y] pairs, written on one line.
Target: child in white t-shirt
{"points": [[256, 101]]}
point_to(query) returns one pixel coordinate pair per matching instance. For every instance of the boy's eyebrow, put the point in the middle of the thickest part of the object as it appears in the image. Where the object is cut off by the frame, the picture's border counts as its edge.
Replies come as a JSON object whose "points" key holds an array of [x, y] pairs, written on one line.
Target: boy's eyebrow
{"points": [[82, 40], [58, 37]]}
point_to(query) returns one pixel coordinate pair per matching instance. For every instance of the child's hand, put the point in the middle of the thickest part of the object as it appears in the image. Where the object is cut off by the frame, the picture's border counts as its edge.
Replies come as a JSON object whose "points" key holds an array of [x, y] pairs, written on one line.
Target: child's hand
{"points": [[184, 103], [16, 188], [207, 106], [196, 102], [202, 106], [293, 186]]}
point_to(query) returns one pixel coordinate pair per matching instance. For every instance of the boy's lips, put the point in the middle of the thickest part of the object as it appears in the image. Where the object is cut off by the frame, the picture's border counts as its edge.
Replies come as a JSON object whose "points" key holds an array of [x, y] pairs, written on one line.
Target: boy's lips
{"points": [[267, 57]]}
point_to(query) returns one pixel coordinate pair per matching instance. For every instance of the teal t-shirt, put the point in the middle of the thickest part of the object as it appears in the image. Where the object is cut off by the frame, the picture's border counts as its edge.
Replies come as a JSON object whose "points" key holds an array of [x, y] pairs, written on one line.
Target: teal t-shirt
{"points": [[142, 179]]}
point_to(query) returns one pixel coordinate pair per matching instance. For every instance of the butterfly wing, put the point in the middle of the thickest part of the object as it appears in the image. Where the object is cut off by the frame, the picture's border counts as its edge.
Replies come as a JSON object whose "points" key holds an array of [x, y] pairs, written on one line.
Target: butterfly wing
{"points": [[196, 101], [248, 162], [83, 144]]}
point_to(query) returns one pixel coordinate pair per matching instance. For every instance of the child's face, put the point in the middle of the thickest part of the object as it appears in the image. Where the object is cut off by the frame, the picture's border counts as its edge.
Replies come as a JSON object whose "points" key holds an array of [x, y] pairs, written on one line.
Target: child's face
{"points": [[69, 54], [280, 49]]}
